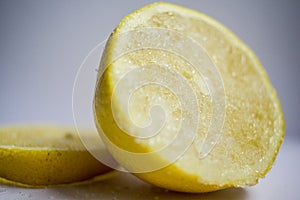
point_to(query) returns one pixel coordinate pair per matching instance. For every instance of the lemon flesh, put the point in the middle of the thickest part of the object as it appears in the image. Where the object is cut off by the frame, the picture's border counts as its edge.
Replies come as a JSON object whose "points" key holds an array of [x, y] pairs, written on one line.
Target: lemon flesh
{"points": [[253, 128], [44, 156]]}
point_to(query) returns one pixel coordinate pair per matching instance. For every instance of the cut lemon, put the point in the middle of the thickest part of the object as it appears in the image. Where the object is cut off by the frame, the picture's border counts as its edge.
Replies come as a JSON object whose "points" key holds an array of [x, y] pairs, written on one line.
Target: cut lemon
{"points": [[205, 80], [33, 156]]}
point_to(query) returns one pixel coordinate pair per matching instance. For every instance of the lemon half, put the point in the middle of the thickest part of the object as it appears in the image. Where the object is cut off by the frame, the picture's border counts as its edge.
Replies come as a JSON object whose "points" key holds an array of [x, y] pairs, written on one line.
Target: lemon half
{"points": [[43, 155], [253, 127]]}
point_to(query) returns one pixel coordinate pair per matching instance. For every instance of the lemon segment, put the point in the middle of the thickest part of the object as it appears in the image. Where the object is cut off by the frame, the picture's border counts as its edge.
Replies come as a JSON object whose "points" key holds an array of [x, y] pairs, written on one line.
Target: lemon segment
{"points": [[253, 127], [44, 156]]}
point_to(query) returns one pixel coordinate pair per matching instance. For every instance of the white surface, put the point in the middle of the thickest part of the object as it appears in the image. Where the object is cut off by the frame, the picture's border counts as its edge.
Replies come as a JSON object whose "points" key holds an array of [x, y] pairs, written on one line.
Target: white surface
{"points": [[280, 183]]}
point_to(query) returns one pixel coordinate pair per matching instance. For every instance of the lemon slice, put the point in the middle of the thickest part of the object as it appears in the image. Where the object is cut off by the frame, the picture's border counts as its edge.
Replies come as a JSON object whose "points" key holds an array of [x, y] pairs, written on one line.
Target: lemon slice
{"points": [[44, 156], [184, 104]]}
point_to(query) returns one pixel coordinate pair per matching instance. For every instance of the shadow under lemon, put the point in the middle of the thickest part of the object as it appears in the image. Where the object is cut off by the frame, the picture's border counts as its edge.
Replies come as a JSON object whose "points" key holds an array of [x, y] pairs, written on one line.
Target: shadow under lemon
{"points": [[126, 186]]}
